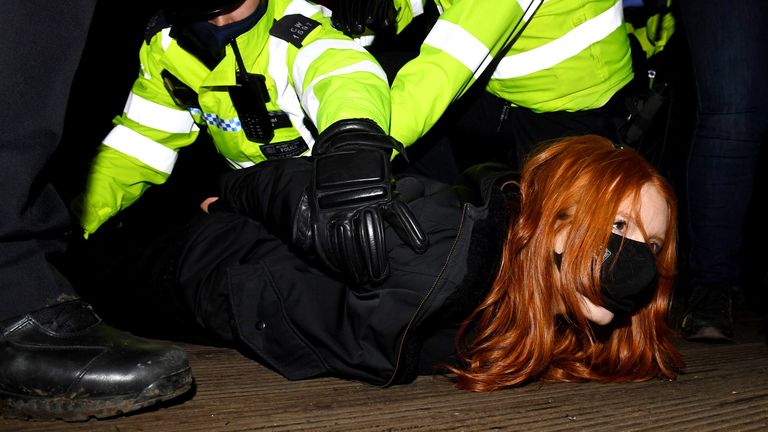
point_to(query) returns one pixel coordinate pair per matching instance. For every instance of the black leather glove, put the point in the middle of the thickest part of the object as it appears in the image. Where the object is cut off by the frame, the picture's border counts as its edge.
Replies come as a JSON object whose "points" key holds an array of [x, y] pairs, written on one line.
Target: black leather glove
{"points": [[333, 205], [350, 197], [353, 16]]}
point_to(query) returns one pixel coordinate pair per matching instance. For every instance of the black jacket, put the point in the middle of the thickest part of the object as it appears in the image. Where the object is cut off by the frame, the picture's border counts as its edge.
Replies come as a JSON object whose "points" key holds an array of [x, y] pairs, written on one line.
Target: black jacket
{"points": [[239, 281]]}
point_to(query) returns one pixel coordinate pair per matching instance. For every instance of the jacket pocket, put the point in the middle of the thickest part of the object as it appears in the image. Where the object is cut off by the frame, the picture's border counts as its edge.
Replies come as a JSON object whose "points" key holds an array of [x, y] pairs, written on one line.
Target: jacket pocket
{"points": [[263, 325]]}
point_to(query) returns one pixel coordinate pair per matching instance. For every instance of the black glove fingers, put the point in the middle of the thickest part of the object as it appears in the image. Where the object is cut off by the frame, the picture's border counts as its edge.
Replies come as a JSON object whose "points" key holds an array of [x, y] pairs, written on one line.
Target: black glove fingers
{"points": [[407, 227], [340, 18], [346, 251], [356, 17], [371, 13], [301, 225], [373, 245], [383, 17], [351, 195]]}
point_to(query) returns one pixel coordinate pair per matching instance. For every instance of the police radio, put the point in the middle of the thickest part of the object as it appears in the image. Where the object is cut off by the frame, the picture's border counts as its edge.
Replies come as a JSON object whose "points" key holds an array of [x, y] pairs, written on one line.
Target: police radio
{"points": [[250, 96]]}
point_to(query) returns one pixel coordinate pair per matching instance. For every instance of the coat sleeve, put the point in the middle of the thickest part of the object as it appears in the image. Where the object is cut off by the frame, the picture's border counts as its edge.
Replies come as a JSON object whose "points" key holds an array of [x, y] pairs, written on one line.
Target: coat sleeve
{"points": [[453, 55], [140, 150], [336, 78], [407, 10]]}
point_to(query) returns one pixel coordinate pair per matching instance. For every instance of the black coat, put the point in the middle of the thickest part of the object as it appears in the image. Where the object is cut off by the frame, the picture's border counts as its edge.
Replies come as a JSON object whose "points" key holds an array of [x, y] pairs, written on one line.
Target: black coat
{"points": [[227, 274]]}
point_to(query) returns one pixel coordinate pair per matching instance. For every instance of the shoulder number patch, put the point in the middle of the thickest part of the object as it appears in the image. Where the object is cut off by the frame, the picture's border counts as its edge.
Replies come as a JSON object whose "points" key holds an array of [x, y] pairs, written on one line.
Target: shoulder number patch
{"points": [[293, 28]]}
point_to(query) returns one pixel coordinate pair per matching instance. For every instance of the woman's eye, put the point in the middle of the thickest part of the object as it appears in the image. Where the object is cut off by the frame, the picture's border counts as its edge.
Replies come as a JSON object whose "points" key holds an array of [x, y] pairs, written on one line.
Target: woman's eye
{"points": [[655, 248], [619, 227]]}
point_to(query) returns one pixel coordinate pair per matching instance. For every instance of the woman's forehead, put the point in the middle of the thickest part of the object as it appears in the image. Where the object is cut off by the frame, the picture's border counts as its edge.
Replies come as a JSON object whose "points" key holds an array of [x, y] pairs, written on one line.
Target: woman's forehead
{"points": [[653, 210]]}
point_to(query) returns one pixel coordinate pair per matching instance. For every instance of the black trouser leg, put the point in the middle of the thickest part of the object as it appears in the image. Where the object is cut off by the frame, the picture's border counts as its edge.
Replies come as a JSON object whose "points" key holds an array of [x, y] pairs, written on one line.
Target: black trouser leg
{"points": [[41, 47]]}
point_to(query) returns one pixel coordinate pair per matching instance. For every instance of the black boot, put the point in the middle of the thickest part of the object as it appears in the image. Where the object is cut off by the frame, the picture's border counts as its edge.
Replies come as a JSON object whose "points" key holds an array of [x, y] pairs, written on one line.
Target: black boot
{"points": [[709, 315], [63, 362]]}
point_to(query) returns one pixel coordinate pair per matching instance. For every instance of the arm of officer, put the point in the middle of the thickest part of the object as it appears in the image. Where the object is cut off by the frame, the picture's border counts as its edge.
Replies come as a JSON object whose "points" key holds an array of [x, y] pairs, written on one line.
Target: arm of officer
{"points": [[333, 206]]}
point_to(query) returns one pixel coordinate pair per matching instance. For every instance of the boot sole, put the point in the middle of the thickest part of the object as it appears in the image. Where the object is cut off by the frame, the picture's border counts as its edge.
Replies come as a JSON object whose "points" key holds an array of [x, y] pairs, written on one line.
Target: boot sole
{"points": [[708, 334], [67, 409]]}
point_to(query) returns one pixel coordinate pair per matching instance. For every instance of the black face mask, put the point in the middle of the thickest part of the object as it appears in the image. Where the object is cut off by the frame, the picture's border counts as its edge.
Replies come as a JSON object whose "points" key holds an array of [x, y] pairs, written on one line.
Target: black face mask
{"points": [[627, 281], [208, 41], [626, 276]]}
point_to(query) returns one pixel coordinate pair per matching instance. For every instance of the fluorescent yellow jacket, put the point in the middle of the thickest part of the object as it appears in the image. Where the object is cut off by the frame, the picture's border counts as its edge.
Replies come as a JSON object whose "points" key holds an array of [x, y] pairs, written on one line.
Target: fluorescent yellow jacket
{"points": [[656, 32], [324, 78], [572, 55]]}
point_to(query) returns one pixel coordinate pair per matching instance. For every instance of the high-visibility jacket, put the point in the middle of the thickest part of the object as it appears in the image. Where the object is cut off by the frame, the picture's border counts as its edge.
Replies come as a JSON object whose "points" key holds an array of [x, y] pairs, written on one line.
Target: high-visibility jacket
{"points": [[655, 32], [320, 76], [571, 55]]}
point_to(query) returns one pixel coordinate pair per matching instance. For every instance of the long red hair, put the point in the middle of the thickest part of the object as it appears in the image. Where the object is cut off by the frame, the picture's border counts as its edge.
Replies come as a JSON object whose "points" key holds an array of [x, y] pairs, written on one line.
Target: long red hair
{"points": [[520, 333]]}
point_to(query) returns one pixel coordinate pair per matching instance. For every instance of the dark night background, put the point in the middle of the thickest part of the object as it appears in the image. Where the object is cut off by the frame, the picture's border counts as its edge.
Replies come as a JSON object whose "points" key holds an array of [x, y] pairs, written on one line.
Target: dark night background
{"points": [[110, 64]]}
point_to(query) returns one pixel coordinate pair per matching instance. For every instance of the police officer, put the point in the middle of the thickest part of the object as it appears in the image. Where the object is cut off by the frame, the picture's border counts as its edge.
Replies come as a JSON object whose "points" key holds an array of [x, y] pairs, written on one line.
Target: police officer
{"points": [[561, 76], [58, 359], [259, 77]]}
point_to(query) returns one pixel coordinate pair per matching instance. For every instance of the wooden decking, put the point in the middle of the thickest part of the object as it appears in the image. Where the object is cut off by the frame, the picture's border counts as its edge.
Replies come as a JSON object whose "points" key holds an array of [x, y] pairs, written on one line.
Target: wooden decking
{"points": [[724, 387]]}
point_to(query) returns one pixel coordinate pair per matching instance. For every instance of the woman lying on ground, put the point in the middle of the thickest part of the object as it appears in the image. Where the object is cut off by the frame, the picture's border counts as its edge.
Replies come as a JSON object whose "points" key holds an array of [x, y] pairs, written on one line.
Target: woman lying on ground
{"points": [[563, 273]]}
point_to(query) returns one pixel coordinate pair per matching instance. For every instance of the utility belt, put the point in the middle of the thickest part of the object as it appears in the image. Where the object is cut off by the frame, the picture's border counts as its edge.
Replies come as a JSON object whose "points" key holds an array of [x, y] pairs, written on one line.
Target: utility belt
{"points": [[631, 117]]}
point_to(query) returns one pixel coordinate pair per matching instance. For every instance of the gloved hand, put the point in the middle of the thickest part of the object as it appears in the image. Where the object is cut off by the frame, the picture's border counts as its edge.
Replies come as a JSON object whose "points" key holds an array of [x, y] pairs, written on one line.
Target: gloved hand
{"points": [[351, 195], [334, 204], [353, 16]]}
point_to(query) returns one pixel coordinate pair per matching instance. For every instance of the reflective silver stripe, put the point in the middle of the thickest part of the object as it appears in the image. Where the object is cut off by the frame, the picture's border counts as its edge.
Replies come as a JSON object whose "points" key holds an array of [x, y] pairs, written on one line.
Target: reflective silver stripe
{"points": [[166, 38], [563, 48], [287, 99], [309, 53], [417, 7], [459, 44], [165, 42], [157, 116], [134, 144], [303, 8], [240, 165], [529, 6], [309, 99], [326, 12], [288, 96]]}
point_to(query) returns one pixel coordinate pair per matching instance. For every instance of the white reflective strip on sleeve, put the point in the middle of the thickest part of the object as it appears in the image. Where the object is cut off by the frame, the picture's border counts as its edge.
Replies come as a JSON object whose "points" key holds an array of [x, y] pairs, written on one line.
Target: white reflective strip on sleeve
{"points": [[142, 148], [166, 38], [157, 116], [302, 8], [563, 48], [529, 6], [287, 99], [417, 7], [165, 42], [312, 51], [240, 165], [309, 99], [488, 59], [458, 43]]}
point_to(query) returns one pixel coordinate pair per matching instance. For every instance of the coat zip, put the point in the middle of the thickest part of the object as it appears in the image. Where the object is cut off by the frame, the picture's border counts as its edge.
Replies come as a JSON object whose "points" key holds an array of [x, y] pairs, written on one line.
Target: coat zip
{"points": [[429, 293]]}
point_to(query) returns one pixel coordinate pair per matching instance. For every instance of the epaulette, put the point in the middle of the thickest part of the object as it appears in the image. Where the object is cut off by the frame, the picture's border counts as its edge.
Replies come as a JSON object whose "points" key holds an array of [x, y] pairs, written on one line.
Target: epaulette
{"points": [[156, 23], [293, 28]]}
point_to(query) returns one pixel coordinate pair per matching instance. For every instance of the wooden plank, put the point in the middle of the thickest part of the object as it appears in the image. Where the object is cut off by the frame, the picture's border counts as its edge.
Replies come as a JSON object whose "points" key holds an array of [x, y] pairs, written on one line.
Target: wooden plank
{"points": [[725, 387]]}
